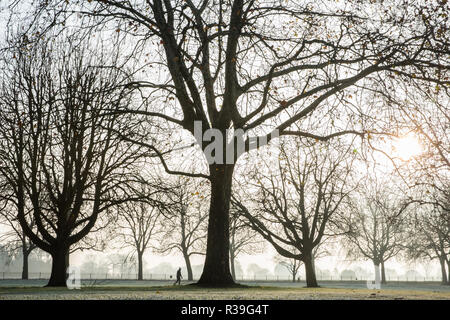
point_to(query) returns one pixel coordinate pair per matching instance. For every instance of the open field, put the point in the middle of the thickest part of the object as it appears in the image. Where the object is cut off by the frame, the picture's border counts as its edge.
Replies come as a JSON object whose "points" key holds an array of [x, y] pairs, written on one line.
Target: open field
{"points": [[162, 290]]}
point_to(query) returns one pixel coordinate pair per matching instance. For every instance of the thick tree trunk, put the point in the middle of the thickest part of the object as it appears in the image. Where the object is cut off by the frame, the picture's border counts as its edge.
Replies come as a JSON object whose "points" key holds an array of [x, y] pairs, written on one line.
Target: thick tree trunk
{"points": [[295, 270], [233, 271], [140, 266], [60, 263], [311, 281], [188, 266], [383, 273], [216, 271], [443, 271], [25, 254]]}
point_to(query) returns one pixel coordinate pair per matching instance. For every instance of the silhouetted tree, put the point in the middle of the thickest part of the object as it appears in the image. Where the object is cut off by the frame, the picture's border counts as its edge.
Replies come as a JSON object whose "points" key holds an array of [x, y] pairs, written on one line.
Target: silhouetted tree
{"points": [[291, 265], [429, 231], [58, 150], [298, 201], [15, 239], [184, 226], [243, 64], [375, 225], [138, 224]]}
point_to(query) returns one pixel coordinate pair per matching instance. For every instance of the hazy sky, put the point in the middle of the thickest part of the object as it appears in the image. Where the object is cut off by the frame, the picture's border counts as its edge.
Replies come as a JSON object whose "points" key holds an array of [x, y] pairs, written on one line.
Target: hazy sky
{"points": [[266, 261]]}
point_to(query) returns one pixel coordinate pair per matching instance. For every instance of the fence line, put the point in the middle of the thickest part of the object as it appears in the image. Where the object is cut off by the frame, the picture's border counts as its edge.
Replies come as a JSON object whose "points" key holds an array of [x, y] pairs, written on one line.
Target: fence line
{"points": [[166, 277]]}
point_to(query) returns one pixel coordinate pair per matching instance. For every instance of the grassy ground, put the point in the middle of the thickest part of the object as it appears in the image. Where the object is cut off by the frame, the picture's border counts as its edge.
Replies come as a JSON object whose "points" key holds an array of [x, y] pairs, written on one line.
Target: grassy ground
{"points": [[188, 292]]}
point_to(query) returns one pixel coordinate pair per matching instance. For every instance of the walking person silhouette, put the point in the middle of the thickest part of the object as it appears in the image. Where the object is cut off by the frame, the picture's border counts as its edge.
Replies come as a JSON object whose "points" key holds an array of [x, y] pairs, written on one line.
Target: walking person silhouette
{"points": [[179, 277]]}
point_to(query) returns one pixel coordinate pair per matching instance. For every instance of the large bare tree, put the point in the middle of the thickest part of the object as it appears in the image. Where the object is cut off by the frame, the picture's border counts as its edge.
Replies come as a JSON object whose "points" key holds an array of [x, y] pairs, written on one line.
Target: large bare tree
{"points": [[138, 224], [297, 205], [375, 225], [13, 237], [259, 66], [292, 265], [57, 151]]}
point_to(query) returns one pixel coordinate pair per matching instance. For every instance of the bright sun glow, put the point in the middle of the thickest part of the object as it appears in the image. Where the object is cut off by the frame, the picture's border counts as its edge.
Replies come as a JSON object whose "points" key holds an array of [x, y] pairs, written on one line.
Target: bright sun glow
{"points": [[407, 147]]}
